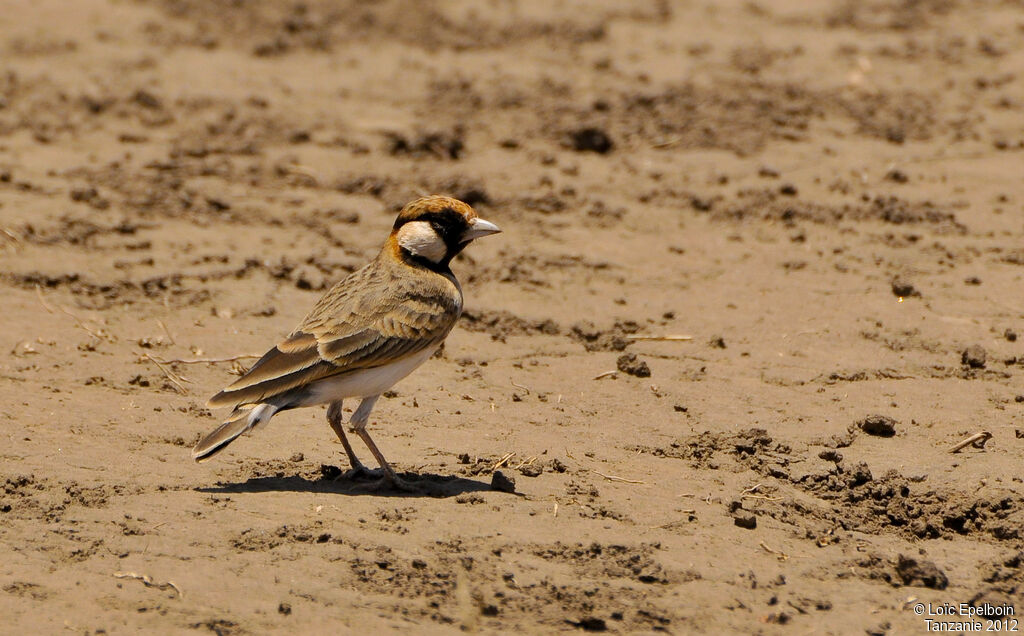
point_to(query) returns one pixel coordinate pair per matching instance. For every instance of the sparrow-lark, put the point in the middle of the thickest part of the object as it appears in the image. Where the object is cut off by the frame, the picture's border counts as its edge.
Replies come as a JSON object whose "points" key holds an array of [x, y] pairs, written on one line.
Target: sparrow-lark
{"points": [[368, 332]]}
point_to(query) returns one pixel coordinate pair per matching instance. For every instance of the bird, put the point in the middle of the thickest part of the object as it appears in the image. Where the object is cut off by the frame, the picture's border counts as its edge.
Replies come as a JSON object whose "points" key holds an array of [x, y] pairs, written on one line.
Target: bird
{"points": [[370, 330]]}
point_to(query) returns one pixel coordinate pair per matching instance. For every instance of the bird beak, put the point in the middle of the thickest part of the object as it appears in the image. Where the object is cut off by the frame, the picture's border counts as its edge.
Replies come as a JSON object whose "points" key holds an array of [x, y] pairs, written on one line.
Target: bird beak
{"points": [[479, 228]]}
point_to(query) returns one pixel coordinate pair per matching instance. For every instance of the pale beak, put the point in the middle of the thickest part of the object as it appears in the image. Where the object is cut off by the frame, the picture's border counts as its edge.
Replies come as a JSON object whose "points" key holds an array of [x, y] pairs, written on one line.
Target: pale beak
{"points": [[478, 228]]}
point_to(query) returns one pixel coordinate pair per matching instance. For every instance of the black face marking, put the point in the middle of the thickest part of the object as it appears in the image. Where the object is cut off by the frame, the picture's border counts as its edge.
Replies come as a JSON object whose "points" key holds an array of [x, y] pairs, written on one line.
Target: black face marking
{"points": [[449, 225]]}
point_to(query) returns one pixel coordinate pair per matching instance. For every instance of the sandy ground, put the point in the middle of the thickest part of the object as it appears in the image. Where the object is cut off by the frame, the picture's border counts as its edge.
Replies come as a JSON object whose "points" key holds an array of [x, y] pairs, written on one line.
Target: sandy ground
{"points": [[828, 197]]}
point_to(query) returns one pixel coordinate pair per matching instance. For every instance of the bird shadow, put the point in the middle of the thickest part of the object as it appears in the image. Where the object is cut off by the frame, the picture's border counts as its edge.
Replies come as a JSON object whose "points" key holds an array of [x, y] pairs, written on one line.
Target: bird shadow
{"points": [[427, 485]]}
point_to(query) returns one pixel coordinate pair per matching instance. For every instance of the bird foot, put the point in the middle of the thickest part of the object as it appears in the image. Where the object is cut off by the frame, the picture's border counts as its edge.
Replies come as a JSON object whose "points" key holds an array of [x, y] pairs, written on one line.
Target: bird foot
{"points": [[361, 473], [394, 482], [398, 483], [378, 479]]}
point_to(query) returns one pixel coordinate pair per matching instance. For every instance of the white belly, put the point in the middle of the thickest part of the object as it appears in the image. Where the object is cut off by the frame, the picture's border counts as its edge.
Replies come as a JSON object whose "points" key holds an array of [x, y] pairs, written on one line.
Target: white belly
{"points": [[367, 382]]}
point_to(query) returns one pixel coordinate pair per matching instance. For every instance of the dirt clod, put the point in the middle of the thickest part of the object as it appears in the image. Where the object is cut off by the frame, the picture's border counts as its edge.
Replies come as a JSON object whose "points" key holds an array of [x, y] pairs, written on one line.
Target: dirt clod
{"points": [[632, 364], [744, 519], [878, 425], [974, 357], [591, 140], [920, 573], [904, 288]]}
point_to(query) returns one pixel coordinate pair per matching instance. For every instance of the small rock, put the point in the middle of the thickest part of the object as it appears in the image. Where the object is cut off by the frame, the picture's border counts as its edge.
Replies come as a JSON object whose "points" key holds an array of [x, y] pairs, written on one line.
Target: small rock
{"points": [[297, 457], [1010, 335], [1019, 399], [879, 425], [633, 365], [590, 624], [502, 483], [777, 618], [831, 455], [329, 472], [788, 190], [591, 140], [147, 100], [903, 288], [974, 357], [285, 609], [558, 466], [718, 342], [744, 519], [860, 475], [531, 470], [679, 408], [882, 629], [897, 176], [920, 574]]}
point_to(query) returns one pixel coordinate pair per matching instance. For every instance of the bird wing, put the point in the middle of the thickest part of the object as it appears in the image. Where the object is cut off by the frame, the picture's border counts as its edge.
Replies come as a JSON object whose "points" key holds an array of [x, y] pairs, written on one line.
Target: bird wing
{"points": [[370, 319]]}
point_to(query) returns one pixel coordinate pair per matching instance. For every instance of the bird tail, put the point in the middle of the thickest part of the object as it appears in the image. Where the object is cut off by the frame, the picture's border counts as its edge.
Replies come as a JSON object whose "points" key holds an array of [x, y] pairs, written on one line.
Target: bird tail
{"points": [[242, 419]]}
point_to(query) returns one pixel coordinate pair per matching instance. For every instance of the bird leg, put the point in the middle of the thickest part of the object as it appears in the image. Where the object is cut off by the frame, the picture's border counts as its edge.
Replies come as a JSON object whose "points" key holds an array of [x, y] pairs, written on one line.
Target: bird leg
{"points": [[357, 425], [334, 418]]}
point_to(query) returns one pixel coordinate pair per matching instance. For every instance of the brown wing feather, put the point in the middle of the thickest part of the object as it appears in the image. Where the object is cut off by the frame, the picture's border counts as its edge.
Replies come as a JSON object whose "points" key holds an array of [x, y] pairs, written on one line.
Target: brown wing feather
{"points": [[292, 363], [375, 316]]}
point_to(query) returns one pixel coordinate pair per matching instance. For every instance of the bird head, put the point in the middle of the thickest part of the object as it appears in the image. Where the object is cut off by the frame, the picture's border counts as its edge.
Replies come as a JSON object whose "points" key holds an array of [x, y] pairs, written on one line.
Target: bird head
{"points": [[435, 229]]}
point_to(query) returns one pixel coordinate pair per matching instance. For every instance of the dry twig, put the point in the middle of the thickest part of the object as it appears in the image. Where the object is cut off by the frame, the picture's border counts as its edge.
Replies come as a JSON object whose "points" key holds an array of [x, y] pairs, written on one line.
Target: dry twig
{"points": [[605, 374], [622, 479], [501, 462], [669, 337], [148, 581], [977, 440], [244, 356], [782, 556], [764, 497], [99, 335], [166, 330], [173, 377], [11, 235], [519, 386], [670, 524], [525, 462]]}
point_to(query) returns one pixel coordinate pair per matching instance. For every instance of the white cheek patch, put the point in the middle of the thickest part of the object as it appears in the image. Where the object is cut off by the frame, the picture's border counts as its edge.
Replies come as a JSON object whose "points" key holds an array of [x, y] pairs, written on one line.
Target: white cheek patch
{"points": [[421, 239]]}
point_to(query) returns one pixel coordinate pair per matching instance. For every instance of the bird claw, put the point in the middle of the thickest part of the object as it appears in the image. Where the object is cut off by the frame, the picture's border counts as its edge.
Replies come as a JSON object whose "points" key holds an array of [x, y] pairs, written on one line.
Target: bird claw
{"points": [[398, 483], [394, 482], [360, 473], [378, 479]]}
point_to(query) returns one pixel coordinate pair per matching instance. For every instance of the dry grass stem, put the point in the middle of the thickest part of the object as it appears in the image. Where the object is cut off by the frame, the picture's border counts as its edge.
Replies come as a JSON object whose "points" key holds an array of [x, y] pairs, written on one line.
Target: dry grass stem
{"points": [[670, 337], [782, 556], [764, 497], [244, 356], [519, 386], [672, 524], [11, 235], [167, 332], [148, 581], [621, 479], [501, 462], [173, 377], [99, 335]]}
